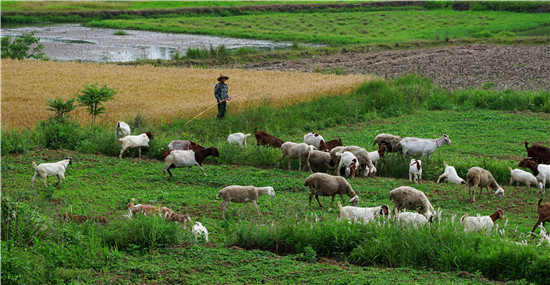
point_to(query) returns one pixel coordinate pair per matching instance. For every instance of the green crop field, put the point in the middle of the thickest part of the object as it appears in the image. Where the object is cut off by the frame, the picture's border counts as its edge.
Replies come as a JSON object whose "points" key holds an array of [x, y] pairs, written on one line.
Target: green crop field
{"points": [[347, 27]]}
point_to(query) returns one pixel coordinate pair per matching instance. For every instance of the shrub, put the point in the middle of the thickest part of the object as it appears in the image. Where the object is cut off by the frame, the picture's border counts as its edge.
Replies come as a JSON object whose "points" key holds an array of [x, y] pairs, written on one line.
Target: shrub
{"points": [[20, 47], [21, 224], [60, 133], [93, 97]]}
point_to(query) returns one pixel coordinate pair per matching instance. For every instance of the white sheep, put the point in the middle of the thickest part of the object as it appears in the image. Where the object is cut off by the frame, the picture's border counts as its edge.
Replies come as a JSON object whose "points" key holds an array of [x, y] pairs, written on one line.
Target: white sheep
{"points": [[200, 232], [391, 141], [320, 160], [187, 158], [295, 150], [243, 194], [365, 167], [347, 164], [415, 170], [238, 138], [411, 218], [415, 146], [315, 140], [327, 185], [450, 175], [525, 177], [138, 141], [406, 197], [45, 170], [479, 177], [122, 130], [478, 224], [359, 214]]}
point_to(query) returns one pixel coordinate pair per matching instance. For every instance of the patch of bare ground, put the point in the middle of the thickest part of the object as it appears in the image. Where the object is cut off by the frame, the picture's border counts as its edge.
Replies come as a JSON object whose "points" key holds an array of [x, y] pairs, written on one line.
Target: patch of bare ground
{"points": [[519, 67]]}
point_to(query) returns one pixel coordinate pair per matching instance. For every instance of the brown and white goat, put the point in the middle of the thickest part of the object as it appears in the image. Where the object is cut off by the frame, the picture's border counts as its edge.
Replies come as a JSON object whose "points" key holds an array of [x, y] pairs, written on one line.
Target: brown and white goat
{"points": [[138, 141], [164, 212], [544, 214], [263, 138], [538, 153], [188, 158], [541, 171]]}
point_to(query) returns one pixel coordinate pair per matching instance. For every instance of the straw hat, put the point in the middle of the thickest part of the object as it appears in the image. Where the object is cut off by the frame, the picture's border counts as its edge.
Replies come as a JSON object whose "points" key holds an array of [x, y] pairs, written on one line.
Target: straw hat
{"points": [[222, 76]]}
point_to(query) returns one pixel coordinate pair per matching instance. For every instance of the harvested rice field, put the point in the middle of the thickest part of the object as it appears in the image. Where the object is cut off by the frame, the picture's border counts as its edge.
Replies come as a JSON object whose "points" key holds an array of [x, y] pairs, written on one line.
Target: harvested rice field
{"points": [[160, 94]]}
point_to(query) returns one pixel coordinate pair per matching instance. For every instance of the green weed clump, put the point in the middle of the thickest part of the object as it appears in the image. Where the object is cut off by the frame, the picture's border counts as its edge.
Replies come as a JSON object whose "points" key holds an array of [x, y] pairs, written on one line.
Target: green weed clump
{"points": [[443, 246]]}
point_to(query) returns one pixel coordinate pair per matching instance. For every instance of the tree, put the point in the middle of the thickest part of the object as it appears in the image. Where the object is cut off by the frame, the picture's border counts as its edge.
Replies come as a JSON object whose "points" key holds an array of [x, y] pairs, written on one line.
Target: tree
{"points": [[20, 46], [93, 97], [60, 107]]}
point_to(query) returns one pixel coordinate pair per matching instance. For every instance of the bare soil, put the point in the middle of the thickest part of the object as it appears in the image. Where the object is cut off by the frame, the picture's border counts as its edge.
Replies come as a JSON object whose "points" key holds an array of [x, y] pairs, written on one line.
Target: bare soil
{"points": [[519, 67]]}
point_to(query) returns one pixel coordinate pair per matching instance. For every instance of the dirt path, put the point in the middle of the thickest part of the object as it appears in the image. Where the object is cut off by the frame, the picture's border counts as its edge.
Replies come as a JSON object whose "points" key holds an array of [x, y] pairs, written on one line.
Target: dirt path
{"points": [[521, 67]]}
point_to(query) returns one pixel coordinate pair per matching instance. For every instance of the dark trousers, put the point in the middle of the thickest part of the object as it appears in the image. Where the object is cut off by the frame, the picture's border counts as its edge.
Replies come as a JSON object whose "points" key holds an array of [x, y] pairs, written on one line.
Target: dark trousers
{"points": [[221, 110]]}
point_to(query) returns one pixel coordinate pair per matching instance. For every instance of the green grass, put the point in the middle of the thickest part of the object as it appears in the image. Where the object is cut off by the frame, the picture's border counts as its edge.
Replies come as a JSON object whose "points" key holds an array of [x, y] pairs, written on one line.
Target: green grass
{"points": [[345, 28]]}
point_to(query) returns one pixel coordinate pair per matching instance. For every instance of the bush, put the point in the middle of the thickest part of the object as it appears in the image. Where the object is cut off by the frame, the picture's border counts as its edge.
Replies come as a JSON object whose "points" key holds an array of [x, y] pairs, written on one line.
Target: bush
{"points": [[20, 47], [21, 224], [60, 133]]}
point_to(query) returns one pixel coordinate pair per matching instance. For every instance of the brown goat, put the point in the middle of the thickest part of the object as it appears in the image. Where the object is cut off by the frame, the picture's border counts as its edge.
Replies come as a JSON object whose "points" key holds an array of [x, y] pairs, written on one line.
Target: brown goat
{"points": [[539, 153], [164, 212], [544, 214], [263, 138], [333, 143]]}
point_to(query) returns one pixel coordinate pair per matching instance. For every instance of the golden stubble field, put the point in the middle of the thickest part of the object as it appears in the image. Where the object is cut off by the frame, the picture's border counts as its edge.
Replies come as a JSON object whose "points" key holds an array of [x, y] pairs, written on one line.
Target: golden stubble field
{"points": [[160, 94]]}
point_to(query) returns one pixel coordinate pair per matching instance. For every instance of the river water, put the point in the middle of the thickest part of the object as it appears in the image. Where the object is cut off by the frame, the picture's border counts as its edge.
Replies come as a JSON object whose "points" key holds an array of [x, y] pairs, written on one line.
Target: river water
{"points": [[75, 42]]}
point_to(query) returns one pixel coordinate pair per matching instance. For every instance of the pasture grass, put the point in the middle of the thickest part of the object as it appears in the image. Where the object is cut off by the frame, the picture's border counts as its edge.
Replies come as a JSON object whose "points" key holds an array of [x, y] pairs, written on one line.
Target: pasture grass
{"points": [[345, 28]]}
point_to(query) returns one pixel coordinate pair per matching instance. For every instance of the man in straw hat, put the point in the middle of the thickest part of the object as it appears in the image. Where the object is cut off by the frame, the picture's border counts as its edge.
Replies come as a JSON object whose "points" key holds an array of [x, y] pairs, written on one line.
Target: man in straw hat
{"points": [[220, 91]]}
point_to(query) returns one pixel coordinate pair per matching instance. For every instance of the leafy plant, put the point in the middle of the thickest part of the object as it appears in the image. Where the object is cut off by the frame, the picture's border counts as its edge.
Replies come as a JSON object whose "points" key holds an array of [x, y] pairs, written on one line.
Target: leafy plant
{"points": [[20, 47], [60, 107], [93, 97], [120, 33]]}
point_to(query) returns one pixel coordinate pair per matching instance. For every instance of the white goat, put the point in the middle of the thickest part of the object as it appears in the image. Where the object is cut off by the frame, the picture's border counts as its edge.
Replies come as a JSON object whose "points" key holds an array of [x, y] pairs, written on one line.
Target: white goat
{"points": [[295, 150], [315, 140], [348, 164], [359, 214], [525, 177], [541, 172], [406, 197], [238, 138], [411, 218], [450, 175], [243, 194], [478, 224], [138, 141], [200, 232], [415, 146], [365, 167], [45, 170], [479, 177], [375, 156], [122, 130], [415, 170]]}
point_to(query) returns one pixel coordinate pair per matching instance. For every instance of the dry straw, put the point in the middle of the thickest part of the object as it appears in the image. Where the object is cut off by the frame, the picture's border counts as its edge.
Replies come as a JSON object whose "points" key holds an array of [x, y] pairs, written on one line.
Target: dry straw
{"points": [[161, 94]]}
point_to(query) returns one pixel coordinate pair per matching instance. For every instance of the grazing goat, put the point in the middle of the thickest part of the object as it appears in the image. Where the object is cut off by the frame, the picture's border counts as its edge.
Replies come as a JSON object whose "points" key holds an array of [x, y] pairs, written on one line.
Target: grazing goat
{"points": [[348, 163], [295, 150], [200, 232], [81, 218], [406, 197], [478, 224], [364, 215], [316, 140], [188, 158], [525, 177], [334, 143], [479, 177], [122, 130], [164, 212], [243, 194], [415, 146], [238, 138], [365, 167], [184, 145], [264, 138], [320, 161], [450, 175], [138, 141], [538, 153], [415, 170], [544, 214], [45, 170], [375, 156], [541, 172], [411, 218], [391, 141], [327, 185]]}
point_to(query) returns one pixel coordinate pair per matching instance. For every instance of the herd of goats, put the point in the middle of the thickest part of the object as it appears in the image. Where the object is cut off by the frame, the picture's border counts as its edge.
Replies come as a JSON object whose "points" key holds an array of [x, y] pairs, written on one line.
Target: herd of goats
{"points": [[324, 156]]}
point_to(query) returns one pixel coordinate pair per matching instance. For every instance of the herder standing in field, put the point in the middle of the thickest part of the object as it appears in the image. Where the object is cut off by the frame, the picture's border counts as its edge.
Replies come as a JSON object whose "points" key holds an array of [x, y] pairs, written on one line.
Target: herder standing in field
{"points": [[220, 91]]}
